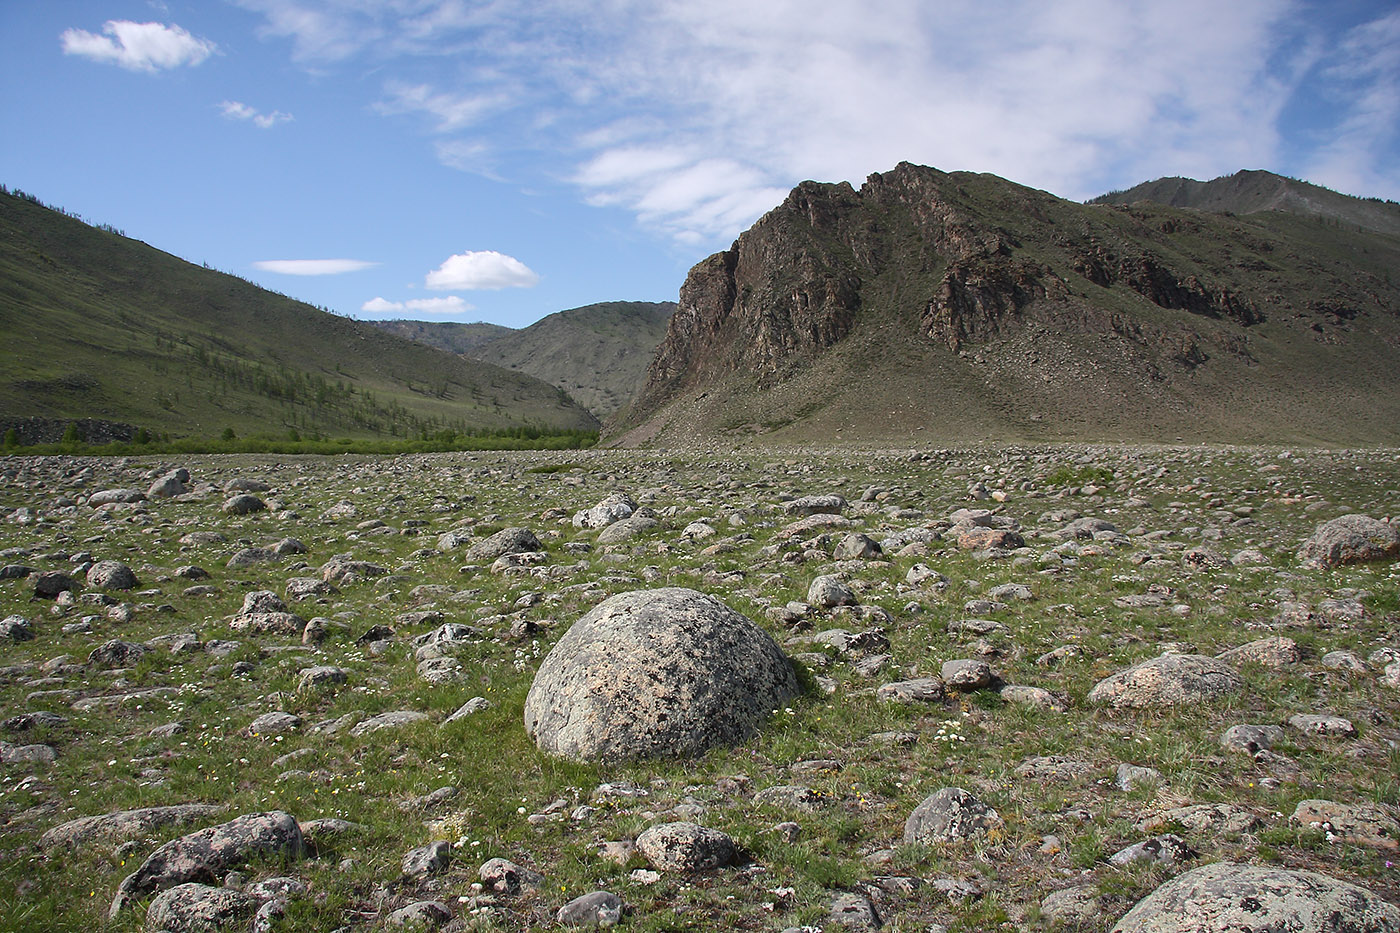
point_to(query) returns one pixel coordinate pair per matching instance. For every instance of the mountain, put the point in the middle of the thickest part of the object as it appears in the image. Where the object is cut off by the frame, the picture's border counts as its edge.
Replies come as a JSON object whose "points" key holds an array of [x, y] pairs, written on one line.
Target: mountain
{"points": [[97, 326], [598, 353], [928, 307], [1250, 192]]}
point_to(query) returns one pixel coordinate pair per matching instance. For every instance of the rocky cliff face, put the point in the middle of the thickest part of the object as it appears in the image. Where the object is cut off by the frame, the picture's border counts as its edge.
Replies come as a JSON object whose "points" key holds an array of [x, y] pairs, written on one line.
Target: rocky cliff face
{"points": [[919, 261]]}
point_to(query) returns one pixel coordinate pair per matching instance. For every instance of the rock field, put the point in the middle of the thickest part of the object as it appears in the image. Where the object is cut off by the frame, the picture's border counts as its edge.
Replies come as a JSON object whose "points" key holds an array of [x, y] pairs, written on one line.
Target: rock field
{"points": [[1037, 688]]}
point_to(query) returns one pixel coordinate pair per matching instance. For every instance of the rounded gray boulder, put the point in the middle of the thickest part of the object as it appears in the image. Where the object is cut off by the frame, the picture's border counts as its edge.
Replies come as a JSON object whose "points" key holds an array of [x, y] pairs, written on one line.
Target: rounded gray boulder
{"points": [[656, 673], [1254, 899], [112, 575]]}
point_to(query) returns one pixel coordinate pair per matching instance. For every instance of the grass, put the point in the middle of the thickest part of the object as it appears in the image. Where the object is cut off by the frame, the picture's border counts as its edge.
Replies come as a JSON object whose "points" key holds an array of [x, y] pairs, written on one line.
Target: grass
{"points": [[109, 760]]}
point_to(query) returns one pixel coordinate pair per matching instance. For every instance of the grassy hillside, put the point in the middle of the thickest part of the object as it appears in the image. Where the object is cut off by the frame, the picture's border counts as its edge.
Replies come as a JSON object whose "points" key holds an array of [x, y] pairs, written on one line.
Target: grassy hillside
{"points": [[452, 336], [96, 325], [598, 353]]}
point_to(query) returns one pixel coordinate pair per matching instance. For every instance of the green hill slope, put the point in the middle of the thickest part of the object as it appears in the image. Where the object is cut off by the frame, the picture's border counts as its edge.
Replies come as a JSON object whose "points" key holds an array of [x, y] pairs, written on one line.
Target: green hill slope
{"points": [[597, 353], [452, 336], [96, 325]]}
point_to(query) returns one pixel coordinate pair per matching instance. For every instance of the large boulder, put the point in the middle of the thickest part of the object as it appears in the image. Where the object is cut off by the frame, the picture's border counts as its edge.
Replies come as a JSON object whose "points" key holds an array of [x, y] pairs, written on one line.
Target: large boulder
{"points": [[668, 672], [1255, 899], [1351, 539], [1170, 680]]}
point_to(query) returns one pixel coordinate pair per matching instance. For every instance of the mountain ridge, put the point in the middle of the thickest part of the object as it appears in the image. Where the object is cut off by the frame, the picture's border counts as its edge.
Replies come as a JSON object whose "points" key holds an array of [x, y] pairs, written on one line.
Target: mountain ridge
{"points": [[1253, 191], [1017, 314]]}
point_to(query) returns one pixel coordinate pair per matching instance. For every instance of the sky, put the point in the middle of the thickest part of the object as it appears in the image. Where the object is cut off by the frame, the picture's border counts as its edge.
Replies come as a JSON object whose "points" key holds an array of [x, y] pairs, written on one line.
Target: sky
{"points": [[500, 160]]}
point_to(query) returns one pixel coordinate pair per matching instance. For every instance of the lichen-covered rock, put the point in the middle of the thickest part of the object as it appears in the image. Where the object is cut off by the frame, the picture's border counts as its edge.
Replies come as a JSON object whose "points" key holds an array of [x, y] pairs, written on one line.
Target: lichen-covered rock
{"points": [[1276, 651], [1232, 898], [949, 815], [1169, 680], [209, 853], [1367, 824], [124, 824], [686, 847], [1351, 539], [506, 541], [668, 672], [201, 908]]}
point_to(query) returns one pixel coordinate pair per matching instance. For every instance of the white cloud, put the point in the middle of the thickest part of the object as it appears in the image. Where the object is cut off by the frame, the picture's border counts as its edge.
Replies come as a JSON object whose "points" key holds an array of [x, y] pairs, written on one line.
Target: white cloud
{"points": [[237, 110], [313, 266], [450, 111], [487, 269], [138, 46], [451, 304], [697, 117]]}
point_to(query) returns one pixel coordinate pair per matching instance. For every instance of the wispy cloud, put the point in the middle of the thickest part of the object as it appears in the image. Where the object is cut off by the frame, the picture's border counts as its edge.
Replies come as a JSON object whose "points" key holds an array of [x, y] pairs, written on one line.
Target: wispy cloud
{"points": [[313, 266], [237, 110], [449, 111], [484, 270], [1364, 81], [451, 304], [698, 117], [147, 47]]}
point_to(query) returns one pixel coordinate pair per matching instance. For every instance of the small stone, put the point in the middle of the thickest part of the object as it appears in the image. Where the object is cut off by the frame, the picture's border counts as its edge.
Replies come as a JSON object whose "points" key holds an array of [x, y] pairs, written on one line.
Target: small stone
{"points": [[950, 815], [686, 847], [1331, 726], [599, 908], [430, 859], [1131, 777], [1167, 848], [966, 675]]}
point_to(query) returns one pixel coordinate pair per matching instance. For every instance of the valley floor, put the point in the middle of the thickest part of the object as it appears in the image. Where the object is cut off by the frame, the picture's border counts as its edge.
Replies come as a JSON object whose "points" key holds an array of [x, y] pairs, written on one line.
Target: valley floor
{"points": [[157, 691]]}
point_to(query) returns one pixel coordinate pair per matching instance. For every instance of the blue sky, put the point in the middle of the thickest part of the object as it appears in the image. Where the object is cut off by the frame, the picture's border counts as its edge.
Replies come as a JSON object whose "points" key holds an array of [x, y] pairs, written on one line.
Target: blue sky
{"points": [[500, 160]]}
